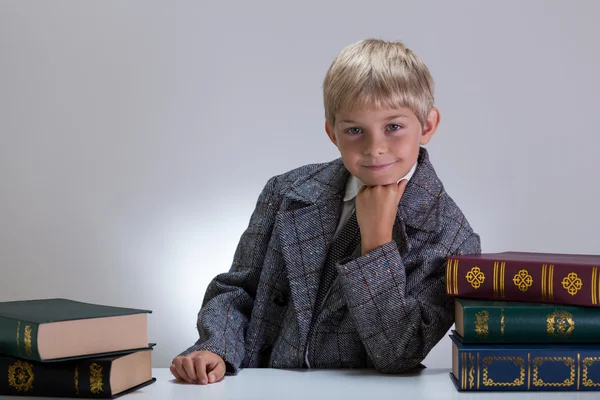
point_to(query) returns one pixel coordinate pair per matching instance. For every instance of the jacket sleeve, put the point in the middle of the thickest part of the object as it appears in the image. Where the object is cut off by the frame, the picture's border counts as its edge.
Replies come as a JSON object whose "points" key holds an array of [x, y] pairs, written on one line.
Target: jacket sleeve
{"points": [[227, 305], [399, 327]]}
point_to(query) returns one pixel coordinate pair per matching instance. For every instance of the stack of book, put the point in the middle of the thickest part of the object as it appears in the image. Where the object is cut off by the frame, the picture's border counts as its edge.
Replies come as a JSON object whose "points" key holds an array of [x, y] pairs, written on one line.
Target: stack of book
{"points": [[66, 348], [525, 321]]}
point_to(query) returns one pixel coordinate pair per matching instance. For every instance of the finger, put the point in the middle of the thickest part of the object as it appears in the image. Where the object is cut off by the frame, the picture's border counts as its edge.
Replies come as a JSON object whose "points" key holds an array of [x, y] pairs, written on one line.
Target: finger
{"points": [[217, 372], [188, 369], [178, 364], [200, 364], [175, 373]]}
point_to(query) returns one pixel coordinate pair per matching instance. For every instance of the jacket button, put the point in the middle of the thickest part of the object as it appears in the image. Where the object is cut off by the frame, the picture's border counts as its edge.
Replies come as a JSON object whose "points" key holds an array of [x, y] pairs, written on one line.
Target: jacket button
{"points": [[280, 301]]}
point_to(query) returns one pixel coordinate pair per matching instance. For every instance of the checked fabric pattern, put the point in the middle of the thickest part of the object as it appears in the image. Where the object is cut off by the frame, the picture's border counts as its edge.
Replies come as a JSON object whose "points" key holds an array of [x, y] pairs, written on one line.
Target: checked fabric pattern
{"points": [[344, 244], [385, 309]]}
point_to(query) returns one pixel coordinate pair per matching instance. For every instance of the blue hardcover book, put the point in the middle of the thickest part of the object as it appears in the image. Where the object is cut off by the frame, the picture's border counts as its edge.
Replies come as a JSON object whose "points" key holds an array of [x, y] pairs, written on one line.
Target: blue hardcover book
{"points": [[522, 367]]}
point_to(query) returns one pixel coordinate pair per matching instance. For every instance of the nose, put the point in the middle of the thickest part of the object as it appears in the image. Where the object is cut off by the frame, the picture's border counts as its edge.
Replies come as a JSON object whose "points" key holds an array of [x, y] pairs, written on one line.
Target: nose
{"points": [[374, 145]]}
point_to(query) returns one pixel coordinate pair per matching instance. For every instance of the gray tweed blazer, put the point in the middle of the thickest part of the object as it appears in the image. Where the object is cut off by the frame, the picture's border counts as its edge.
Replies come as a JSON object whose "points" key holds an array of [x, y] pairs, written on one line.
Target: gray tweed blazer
{"points": [[385, 310]]}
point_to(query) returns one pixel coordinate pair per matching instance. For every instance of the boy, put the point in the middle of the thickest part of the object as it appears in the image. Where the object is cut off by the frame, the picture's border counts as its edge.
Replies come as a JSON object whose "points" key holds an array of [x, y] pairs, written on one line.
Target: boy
{"points": [[343, 263]]}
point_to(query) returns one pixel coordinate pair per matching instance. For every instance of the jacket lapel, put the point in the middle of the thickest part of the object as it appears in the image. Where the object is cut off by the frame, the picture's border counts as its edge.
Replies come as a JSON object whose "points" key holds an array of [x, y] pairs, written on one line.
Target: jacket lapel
{"points": [[309, 220], [419, 207], [306, 228]]}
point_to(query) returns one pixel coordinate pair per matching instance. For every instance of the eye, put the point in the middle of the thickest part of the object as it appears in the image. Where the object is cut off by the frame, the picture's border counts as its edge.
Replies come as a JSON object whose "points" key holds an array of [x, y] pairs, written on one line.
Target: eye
{"points": [[394, 127], [353, 131]]}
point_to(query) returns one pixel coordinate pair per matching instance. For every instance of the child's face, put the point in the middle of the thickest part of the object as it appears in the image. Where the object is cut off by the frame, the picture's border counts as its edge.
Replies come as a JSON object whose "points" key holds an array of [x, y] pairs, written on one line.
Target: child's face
{"points": [[380, 145]]}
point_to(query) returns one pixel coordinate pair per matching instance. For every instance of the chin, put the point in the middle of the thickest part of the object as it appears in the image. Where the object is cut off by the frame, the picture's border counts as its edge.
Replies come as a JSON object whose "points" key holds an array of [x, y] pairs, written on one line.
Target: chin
{"points": [[377, 182]]}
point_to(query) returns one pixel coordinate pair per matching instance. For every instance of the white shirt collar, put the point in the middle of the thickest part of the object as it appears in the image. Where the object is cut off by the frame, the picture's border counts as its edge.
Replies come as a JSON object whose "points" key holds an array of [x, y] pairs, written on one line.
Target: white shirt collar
{"points": [[354, 184]]}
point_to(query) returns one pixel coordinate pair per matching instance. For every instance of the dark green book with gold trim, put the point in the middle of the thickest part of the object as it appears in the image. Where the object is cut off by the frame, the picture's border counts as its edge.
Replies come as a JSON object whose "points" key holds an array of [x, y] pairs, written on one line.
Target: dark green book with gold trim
{"points": [[487, 321], [60, 329], [96, 377]]}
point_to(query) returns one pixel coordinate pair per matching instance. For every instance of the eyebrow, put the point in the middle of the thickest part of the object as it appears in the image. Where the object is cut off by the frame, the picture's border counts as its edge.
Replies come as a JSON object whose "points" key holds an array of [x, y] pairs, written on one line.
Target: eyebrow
{"points": [[393, 117]]}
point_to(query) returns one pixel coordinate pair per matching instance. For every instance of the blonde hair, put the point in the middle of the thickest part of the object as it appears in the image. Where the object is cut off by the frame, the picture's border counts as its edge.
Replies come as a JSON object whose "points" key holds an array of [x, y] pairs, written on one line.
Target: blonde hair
{"points": [[374, 72]]}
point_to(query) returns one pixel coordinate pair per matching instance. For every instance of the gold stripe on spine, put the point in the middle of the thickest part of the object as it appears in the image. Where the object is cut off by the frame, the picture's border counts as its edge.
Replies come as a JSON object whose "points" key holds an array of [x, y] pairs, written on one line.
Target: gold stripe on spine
{"points": [[528, 370], [543, 282], [76, 379], [597, 286], [594, 285], [448, 282], [27, 339], [471, 370], [502, 280], [495, 279], [594, 272], [477, 371], [464, 371], [455, 276], [499, 279], [578, 369], [466, 368], [551, 282]]}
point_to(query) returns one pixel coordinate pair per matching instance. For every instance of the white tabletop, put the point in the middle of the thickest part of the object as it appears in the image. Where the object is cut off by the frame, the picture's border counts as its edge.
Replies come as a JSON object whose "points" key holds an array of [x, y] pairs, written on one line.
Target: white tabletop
{"points": [[265, 384]]}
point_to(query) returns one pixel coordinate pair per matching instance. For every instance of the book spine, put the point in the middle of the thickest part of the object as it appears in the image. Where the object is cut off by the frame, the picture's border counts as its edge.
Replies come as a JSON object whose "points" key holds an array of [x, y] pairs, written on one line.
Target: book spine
{"points": [[569, 284], [530, 324], [19, 339], [519, 370], [85, 378]]}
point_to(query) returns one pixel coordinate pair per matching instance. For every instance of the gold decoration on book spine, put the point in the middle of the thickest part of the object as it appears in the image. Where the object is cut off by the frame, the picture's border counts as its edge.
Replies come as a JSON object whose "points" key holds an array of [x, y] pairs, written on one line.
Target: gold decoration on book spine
{"points": [[481, 323], [518, 381], [452, 277], [502, 270], [547, 282], [595, 286], [528, 371], [560, 323], [96, 378], [587, 362], [495, 280], [18, 344], [20, 376], [572, 283], [463, 378], [568, 361], [448, 279], [498, 280], [475, 277], [27, 340], [455, 276], [478, 373], [523, 280], [471, 370], [578, 369], [76, 380], [502, 322]]}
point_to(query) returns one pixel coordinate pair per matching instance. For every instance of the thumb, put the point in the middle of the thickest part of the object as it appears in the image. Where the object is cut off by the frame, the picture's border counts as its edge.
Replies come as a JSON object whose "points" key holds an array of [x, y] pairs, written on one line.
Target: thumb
{"points": [[216, 371]]}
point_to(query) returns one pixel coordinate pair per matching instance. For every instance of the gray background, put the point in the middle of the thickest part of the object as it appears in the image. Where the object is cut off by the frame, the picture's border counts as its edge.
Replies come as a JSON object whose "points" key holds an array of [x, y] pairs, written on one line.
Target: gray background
{"points": [[135, 136]]}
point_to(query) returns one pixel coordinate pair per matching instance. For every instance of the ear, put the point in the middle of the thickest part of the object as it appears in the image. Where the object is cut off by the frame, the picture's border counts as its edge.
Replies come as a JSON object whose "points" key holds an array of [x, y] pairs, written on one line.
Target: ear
{"points": [[431, 124], [330, 133]]}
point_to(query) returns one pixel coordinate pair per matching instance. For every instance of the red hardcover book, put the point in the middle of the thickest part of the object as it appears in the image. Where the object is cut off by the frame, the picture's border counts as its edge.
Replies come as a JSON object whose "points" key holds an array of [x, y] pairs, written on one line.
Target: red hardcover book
{"points": [[570, 279]]}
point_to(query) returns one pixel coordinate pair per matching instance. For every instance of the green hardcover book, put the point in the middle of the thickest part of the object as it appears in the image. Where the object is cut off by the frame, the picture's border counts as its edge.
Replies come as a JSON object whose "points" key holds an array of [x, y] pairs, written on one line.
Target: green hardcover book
{"points": [[59, 329], [485, 321], [101, 377]]}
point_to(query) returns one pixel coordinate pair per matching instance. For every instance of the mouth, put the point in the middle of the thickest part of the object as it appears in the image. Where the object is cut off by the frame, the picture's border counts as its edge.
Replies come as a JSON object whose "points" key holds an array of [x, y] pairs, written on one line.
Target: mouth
{"points": [[378, 167]]}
